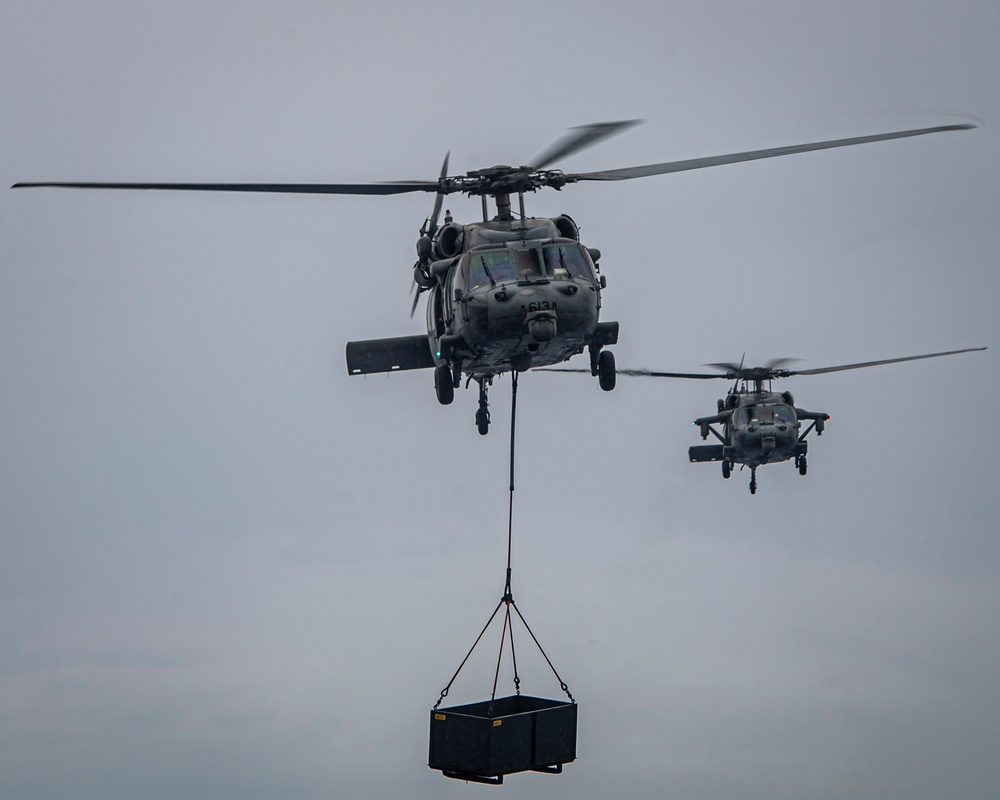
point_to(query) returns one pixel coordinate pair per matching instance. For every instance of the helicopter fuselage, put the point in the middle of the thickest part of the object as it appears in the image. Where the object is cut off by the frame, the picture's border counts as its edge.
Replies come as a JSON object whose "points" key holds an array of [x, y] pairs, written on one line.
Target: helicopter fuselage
{"points": [[514, 304], [757, 428], [763, 429], [503, 295]]}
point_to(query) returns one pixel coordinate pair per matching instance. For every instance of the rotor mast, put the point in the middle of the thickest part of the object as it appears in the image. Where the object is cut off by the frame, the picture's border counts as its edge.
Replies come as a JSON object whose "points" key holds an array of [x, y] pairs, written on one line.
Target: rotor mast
{"points": [[502, 200], [504, 213]]}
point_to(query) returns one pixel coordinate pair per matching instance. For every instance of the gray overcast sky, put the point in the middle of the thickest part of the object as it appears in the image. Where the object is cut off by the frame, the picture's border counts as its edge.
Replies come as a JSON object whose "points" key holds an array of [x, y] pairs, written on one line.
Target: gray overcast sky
{"points": [[231, 571]]}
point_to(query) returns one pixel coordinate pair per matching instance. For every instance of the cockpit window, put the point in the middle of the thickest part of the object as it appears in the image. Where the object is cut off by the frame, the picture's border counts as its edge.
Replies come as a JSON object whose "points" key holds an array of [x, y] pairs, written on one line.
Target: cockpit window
{"points": [[783, 415], [755, 415], [477, 273], [526, 264], [565, 261], [497, 266], [490, 268], [559, 261]]}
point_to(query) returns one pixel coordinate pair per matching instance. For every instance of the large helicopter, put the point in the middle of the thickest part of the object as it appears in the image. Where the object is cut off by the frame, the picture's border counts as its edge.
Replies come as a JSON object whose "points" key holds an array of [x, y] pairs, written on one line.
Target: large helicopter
{"points": [[761, 427], [511, 292]]}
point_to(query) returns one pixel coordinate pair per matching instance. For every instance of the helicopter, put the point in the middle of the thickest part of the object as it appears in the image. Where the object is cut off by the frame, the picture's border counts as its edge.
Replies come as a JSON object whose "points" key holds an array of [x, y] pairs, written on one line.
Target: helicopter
{"points": [[510, 292], [761, 427]]}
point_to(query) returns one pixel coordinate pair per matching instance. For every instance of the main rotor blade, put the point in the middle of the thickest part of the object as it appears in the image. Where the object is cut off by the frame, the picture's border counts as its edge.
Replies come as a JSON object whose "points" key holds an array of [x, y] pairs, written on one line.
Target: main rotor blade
{"points": [[438, 200], [581, 138], [752, 155], [640, 373], [727, 366], [646, 373], [822, 370], [775, 363], [399, 187], [731, 368]]}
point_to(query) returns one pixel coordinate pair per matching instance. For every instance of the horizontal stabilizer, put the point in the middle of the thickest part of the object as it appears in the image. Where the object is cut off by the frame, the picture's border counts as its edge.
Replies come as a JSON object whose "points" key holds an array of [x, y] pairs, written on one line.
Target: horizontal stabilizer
{"points": [[705, 452], [389, 355]]}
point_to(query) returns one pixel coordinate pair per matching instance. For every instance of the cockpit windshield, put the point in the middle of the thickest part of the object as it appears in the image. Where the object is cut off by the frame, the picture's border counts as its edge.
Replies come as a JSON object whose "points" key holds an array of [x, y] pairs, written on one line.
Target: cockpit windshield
{"points": [[497, 266], [559, 261], [764, 415], [565, 261]]}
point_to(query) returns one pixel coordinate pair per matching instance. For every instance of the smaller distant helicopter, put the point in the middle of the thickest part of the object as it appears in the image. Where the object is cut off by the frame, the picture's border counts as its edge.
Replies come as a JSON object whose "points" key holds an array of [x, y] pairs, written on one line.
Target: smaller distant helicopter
{"points": [[760, 427]]}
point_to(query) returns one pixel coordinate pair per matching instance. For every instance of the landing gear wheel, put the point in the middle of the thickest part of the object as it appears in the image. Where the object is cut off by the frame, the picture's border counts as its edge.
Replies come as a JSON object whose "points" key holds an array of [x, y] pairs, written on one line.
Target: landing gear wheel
{"points": [[606, 370], [727, 469], [802, 465], [753, 482], [443, 384]]}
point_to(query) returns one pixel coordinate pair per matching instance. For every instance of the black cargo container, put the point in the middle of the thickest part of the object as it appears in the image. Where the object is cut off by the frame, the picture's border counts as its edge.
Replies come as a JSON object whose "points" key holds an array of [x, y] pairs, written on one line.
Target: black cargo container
{"points": [[523, 733]]}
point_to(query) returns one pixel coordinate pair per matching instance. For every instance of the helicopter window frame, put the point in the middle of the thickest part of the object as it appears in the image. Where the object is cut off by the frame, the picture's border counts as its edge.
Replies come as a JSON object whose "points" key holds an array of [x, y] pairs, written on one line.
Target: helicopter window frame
{"points": [[576, 266]]}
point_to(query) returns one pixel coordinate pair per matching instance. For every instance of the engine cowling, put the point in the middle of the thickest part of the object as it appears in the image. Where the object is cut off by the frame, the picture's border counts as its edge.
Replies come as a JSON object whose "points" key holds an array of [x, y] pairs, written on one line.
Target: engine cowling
{"points": [[567, 227], [448, 242]]}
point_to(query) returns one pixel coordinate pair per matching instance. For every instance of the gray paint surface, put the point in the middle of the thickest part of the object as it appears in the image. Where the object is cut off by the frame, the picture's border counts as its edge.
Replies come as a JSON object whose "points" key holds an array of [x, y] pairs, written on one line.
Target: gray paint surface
{"points": [[230, 570]]}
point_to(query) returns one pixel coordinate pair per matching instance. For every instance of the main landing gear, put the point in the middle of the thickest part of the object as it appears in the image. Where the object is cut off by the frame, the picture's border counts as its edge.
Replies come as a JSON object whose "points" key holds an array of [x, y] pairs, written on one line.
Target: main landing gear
{"points": [[602, 365], [445, 380], [800, 462], [444, 384], [727, 468], [753, 480]]}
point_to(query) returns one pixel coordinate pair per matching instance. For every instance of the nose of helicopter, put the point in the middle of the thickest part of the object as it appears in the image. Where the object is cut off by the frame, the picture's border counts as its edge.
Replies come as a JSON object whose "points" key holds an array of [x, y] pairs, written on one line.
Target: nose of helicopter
{"points": [[530, 323], [535, 308], [542, 325], [771, 442]]}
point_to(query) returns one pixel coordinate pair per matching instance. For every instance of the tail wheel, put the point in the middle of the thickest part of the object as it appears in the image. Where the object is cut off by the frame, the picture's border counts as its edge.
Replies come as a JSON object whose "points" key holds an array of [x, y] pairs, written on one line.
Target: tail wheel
{"points": [[443, 385], [606, 374]]}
